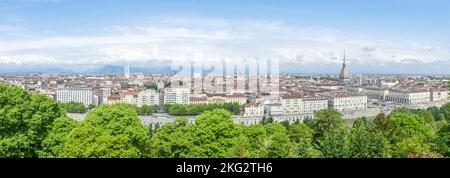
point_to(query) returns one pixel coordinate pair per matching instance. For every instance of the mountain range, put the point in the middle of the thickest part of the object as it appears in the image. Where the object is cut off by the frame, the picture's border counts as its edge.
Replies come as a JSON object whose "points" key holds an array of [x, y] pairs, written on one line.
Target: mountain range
{"points": [[107, 69]]}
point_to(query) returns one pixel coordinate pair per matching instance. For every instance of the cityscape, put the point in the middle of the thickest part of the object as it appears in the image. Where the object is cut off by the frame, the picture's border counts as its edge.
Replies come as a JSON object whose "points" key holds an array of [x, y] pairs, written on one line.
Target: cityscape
{"points": [[205, 79], [297, 97]]}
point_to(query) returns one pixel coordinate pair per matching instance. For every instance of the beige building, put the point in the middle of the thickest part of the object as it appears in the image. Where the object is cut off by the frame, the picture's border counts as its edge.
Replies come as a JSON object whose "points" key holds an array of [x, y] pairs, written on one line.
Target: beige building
{"points": [[409, 97], [296, 105], [346, 102], [311, 105], [253, 110], [129, 97], [292, 104], [177, 95], [148, 97], [226, 98], [439, 95]]}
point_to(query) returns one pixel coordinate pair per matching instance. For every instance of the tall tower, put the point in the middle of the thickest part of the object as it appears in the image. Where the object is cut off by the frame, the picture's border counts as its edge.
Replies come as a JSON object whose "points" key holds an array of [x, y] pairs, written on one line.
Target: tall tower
{"points": [[344, 75], [126, 71]]}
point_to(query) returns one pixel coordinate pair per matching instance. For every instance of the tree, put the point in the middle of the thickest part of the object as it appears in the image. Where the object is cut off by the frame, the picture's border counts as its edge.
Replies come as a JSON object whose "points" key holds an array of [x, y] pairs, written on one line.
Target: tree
{"points": [[366, 142], [52, 144], [426, 115], [109, 131], [326, 119], [73, 107], [266, 120], [25, 121], [443, 141], [445, 110], [173, 140], [302, 136], [278, 145], [146, 109], [409, 146], [410, 125], [335, 143], [152, 86], [216, 135], [436, 112], [256, 135], [196, 109]]}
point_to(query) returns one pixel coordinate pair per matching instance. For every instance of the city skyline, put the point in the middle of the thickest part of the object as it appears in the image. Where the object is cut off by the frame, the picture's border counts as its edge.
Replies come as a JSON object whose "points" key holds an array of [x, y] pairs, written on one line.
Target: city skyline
{"points": [[307, 37]]}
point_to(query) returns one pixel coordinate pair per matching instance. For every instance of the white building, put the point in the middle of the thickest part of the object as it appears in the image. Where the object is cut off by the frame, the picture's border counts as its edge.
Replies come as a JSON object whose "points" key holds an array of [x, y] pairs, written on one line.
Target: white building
{"points": [[292, 105], [148, 97], [311, 105], [297, 105], [104, 93], [129, 97], [77, 95], [226, 98], [273, 109], [409, 97], [439, 95], [253, 110], [376, 93], [346, 102], [176, 95]]}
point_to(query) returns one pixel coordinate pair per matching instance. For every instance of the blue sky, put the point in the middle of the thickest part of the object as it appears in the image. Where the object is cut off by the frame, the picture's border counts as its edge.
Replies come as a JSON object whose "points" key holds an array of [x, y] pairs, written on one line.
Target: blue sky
{"points": [[380, 35]]}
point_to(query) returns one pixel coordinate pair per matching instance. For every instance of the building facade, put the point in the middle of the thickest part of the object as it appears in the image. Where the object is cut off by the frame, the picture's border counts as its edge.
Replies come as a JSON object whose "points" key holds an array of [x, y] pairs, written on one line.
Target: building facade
{"points": [[77, 95], [292, 105], [409, 97], [253, 110], [311, 105], [346, 102], [176, 95], [148, 97]]}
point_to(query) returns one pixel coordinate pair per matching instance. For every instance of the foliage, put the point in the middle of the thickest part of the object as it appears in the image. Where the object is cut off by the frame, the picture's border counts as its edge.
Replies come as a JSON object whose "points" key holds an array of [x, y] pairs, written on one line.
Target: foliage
{"points": [[335, 143], [302, 136], [445, 110], [443, 141], [325, 120], [197, 109], [52, 144], [146, 109], [173, 140], [25, 121], [112, 131], [410, 125], [216, 135], [436, 112], [73, 107], [367, 142]]}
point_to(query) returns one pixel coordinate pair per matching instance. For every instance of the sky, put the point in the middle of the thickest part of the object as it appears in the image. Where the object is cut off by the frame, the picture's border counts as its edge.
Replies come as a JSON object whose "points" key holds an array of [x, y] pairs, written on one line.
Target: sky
{"points": [[383, 36]]}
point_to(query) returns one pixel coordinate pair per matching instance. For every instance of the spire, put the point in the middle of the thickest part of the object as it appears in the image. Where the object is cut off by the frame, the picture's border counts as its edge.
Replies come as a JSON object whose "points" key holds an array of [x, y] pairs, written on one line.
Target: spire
{"points": [[344, 57], [344, 75]]}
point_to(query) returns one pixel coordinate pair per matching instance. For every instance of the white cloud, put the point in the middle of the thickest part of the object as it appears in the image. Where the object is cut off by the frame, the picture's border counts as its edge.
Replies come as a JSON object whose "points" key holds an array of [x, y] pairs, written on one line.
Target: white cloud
{"points": [[170, 38]]}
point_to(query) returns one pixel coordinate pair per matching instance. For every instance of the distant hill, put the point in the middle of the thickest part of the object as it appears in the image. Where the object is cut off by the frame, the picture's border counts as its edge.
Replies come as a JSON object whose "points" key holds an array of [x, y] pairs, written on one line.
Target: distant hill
{"points": [[112, 69], [31, 70]]}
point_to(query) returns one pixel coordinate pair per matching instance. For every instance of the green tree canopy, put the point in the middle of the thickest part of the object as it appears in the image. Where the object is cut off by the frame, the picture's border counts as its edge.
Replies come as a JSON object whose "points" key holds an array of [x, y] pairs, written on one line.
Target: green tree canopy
{"points": [[335, 143], [173, 140], [112, 131], [216, 135], [443, 140], [303, 136], [326, 119], [367, 142], [25, 121], [52, 144], [445, 110]]}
